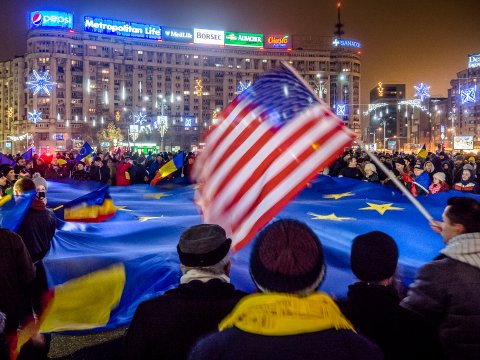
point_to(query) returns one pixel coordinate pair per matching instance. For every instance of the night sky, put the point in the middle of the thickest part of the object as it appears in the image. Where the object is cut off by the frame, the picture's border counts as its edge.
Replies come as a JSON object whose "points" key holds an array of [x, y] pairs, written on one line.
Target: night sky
{"points": [[404, 41]]}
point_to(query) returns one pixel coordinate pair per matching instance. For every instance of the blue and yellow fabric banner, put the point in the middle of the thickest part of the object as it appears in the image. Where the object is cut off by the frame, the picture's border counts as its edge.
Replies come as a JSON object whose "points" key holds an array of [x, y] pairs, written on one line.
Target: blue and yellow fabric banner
{"points": [[144, 232], [13, 209]]}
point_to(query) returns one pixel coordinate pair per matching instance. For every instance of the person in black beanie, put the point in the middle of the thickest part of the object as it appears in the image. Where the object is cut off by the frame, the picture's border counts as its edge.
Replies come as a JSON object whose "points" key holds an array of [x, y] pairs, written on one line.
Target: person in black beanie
{"points": [[288, 319], [373, 303], [166, 327]]}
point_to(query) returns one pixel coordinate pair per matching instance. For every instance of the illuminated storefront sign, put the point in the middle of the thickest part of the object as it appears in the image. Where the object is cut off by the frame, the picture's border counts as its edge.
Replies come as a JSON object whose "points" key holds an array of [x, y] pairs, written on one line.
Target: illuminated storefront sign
{"points": [[122, 28], [51, 19], [473, 61], [177, 35], [211, 37], [278, 42], [243, 39], [346, 43]]}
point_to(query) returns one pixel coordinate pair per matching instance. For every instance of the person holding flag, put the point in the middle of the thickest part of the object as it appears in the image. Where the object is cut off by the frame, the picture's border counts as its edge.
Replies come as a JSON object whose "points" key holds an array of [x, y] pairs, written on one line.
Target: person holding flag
{"points": [[170, 167], [84, 151]]}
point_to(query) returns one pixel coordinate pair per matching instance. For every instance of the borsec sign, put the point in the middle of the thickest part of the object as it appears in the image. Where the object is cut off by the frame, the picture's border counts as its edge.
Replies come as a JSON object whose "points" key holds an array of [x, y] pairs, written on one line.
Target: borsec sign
{"points": [[211, 37], [51, 19]]}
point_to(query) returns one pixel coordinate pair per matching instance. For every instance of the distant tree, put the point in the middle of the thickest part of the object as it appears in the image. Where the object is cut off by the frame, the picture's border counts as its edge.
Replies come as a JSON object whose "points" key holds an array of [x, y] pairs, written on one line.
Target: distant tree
{"points": [[111, 133]]}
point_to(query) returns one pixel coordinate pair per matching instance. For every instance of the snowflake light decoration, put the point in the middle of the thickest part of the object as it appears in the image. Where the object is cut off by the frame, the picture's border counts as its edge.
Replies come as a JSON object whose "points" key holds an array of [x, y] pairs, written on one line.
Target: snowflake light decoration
{"points": [[242, 86], [422, 91], [139, 118], [341, 110], [41, 83], [35, 116], [469, 95], [188, 122]]}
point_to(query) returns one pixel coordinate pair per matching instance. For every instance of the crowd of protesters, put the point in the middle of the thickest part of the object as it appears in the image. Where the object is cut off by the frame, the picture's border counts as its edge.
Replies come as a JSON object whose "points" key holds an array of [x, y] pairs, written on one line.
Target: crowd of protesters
{"points": [[120, 169], [422, 175], [205, 317]]}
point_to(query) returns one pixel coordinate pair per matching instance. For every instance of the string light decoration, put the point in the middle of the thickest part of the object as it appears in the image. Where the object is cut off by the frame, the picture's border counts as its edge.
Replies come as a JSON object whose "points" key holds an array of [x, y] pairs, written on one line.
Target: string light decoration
{"points": [[380, 89], [242, 86], [188, 121], [415, 103], [35, 116], [341, 110], [422, 91], [373, 107], [162, 124], [198, 87], [117, 115], [469, 95], [10, 112], [41, 83], [18, 138], [139, 118]]}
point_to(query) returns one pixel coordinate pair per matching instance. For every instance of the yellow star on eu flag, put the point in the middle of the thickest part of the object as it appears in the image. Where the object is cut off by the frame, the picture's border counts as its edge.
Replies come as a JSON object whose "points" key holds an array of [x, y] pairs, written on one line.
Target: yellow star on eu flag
{"points": [[331, 217], [381, 208], [122, 207], [146, 218], [337, 196], [155, 196]]}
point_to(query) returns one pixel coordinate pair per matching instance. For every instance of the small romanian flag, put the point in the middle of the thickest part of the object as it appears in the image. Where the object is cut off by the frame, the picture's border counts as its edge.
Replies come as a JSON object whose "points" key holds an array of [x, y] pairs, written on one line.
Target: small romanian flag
{"points": [[170, 167], [423, 152], [96, 206], [79, 304]]}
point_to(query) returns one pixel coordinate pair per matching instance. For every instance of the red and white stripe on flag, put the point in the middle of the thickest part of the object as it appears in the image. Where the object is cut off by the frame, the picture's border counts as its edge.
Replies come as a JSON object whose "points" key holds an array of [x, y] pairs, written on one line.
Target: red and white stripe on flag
{"points": [[250, 169]]}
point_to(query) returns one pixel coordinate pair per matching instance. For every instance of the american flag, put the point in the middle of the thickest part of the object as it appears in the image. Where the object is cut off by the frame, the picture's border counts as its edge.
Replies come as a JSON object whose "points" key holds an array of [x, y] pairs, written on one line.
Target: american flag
{"points": [[268, 143]]}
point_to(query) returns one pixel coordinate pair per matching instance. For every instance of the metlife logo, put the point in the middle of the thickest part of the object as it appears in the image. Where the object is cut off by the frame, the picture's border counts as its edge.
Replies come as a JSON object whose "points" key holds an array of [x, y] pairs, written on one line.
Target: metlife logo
{"points": [[51, 19], [210, 37], [177, 35]]}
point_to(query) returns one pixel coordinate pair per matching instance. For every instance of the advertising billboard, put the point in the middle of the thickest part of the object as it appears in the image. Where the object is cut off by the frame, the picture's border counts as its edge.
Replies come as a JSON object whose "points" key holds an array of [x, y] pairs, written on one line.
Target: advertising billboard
{"points": [[51, 19], [243, 39], [346, 43], [177, 35], [473, 61], [210, 37], [122, 28], [282, 42], [463, 143]]}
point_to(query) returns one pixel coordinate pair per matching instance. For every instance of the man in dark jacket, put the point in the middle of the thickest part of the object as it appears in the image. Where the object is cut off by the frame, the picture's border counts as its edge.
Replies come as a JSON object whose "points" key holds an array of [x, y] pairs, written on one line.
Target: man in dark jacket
{"points": [[288, 319], [373, 303], [458, 169], [167, 326], [99, 171], [16, 273], [139, 174], [351, 171], [80, 173], [446, 291]]}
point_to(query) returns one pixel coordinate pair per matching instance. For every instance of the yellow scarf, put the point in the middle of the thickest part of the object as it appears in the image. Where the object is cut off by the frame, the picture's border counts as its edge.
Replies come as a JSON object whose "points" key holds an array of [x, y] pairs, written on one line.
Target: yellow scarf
{"points": [[279, 314]]}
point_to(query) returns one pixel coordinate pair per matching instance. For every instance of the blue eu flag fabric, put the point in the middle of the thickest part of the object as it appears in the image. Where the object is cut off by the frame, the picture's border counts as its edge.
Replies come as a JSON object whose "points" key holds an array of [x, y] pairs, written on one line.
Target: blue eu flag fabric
{"points": [[144, 232], [13, 209], [84, 151], [28, 155], [5, 160]]}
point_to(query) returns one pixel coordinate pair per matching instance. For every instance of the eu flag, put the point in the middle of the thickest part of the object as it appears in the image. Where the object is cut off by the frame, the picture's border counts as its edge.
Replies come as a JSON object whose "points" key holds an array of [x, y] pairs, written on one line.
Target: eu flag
{"points": [[84, 151], [5, 160], [28, 155], [13, 209]]}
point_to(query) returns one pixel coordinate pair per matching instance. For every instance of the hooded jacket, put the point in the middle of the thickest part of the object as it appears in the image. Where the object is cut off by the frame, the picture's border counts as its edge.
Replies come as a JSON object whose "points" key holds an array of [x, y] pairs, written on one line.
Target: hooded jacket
{"points": [[469, 185], [447, 292]]}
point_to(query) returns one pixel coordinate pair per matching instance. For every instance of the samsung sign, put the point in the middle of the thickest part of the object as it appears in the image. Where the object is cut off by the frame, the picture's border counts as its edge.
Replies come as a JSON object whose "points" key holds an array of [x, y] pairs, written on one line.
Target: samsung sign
{"points": [[177, 35], [122, 28], [346, 43], [51, 19], [243, 39], [210, 37], [473, 61]]}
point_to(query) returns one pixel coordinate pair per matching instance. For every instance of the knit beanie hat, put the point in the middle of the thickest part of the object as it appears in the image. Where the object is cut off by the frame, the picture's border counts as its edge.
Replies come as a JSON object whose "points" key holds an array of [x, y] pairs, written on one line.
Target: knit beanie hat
{"points": [[374, 256], [39, 180], [287, 257], [440, 176], [203, 245], [5, 169]]}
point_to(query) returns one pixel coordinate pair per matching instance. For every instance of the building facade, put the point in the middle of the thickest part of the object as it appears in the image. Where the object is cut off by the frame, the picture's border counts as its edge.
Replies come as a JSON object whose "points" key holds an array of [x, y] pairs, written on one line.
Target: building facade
{"points": [[162, 94]]}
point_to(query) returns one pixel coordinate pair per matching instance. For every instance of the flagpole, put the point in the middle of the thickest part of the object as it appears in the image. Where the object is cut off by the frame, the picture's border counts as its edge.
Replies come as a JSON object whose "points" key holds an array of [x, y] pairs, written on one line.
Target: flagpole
{"points": [[397, 183]]}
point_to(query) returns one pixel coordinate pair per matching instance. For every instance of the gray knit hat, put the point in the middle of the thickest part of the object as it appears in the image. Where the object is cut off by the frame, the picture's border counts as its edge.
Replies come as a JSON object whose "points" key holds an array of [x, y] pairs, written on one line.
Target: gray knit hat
{"points": [[203, 245], [440, 176], [39, 180]]}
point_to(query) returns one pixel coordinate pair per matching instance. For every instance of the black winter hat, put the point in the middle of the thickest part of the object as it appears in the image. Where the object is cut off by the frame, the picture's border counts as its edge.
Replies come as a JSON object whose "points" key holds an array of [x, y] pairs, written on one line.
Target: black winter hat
{"points": [[374, 256], [5, 169], [203, 245], [287, 256]]}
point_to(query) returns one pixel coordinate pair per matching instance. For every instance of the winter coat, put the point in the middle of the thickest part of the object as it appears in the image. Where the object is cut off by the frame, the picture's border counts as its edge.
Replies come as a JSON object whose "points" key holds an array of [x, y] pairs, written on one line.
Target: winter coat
{"points": [[375, 312], [353, 173], [80, 175], [438, 188], [466, 186], [372, 178], [166, 327], [138, 174], [101, 174], [16, 272], [37, 230], [235, 344], [447, 292], [56, 173], [123, 175], [424, 181]]}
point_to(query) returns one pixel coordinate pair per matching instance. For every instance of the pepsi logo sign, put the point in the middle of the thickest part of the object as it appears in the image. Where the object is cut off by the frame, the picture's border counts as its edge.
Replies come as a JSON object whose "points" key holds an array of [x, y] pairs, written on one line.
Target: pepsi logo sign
{"points": [[37, 19]]}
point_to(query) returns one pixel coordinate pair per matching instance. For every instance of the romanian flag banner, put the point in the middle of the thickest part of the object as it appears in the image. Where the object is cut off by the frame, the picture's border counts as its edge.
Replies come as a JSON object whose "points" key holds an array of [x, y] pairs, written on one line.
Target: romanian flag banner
{"points": [[13, 209], [423, 152], [96, 206], [170, 167], [144, 233]]}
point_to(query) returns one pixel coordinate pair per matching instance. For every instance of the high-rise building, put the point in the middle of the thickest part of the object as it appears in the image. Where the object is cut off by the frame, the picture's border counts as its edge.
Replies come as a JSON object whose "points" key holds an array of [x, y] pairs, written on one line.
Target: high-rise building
{"points": [[161, 86]]}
